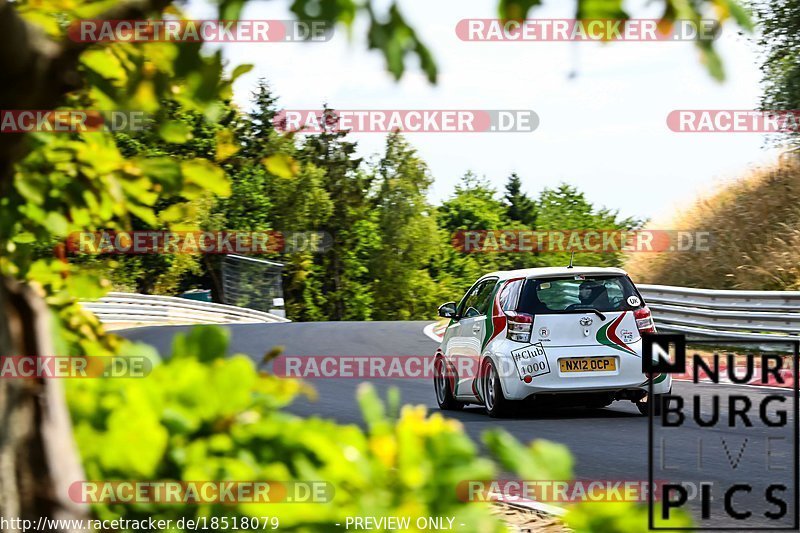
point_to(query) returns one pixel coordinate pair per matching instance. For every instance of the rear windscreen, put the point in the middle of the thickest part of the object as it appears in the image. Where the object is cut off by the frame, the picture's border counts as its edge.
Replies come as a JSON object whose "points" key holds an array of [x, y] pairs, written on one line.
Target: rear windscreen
{"points": [[578, 293]]}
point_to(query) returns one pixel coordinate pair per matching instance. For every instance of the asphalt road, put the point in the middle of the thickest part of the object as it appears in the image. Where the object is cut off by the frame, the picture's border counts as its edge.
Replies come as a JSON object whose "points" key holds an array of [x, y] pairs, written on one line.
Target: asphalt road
{"points": [[608, 444]]}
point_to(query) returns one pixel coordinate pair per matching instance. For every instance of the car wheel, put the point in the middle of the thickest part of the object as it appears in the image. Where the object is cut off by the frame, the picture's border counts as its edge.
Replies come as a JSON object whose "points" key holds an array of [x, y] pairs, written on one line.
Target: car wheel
{"points": [[441, 384], [652, 402], [494, 401]]}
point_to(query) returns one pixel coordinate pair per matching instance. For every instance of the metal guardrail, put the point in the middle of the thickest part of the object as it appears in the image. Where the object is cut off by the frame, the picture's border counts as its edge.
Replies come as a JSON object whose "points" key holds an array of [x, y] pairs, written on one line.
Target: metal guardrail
{"points": [[120, 307], [699, 313], [724, 314]]}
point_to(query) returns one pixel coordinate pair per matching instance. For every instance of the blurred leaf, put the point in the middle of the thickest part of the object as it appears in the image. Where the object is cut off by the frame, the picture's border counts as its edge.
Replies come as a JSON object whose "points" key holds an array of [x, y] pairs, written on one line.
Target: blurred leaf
{"points": [[240, 70], [175, 132], [542, 460], [85, 286], [226, 145], [371, 405], [739, 14], [24, 238], [331, 11], [135, 441], [56, 224], [515, 9], [281, 165], [207, 175], [230, 9], [105, 63], [601, 9], [164, 170], [712, 61], [396, 39], [32, 188], [146, 214], [206, 343]]}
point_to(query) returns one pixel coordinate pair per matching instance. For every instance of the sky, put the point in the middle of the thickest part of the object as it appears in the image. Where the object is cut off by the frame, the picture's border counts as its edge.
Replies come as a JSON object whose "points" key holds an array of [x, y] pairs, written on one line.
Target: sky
{"points": [[602, 130]]}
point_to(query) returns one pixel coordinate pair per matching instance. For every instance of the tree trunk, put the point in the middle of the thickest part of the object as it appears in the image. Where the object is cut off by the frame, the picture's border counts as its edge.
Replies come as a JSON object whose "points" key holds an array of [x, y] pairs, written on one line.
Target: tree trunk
{"points": [[38, 459]]}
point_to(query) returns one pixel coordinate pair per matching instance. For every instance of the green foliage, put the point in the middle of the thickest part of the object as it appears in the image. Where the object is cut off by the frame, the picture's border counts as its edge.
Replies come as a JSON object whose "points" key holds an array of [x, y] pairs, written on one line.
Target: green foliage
{"points": [[396, 39], [516, 9], [541, 460], [566, 208], [673, 10], [403, 287], [391, 35], [519, 206], [472, 207], [200, 416], [88, 181], [780, 38]]}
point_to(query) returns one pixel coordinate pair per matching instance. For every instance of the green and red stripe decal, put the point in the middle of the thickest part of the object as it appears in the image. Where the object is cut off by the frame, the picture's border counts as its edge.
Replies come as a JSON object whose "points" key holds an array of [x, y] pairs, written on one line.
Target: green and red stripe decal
{"points": [[607, 335]]}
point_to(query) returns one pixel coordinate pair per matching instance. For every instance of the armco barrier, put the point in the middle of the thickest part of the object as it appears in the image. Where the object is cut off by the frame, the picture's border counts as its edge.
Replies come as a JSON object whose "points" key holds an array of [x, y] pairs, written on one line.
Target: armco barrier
{"points": [[127, 308], [724, 314]]}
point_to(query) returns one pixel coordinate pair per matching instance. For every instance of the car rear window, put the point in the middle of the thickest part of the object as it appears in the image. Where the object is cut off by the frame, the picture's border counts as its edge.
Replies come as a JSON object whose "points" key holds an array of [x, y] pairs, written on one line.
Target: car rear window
{"points": [[578, 293]]}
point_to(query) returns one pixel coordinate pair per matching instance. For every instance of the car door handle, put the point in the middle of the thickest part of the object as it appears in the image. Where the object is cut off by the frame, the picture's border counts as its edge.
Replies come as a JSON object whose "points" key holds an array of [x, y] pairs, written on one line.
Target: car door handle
{"points": [[476, 328]]}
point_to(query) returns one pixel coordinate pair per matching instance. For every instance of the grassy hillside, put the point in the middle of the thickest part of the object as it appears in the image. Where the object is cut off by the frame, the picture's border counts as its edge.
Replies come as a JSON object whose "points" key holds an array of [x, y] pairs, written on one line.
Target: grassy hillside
{"points": [[755, 236]]}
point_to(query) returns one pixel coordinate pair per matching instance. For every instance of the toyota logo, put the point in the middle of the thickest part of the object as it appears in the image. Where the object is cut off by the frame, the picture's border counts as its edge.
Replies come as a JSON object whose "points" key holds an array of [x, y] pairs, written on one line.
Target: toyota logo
{"points": [[586, 321]]}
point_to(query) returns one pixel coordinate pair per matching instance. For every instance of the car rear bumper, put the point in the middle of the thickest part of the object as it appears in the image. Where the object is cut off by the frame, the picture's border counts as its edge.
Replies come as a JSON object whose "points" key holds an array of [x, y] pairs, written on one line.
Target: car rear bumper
{"points": [[626, 374]]}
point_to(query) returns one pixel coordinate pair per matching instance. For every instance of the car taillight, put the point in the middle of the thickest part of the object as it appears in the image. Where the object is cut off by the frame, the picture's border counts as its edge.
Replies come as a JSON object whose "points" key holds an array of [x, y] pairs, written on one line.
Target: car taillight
{"points": [[644, 320], [519, 326]]}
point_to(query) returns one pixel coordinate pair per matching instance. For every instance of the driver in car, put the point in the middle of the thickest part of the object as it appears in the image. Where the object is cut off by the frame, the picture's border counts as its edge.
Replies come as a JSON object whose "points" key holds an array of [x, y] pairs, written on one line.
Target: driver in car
{"points": [[590, 292]]}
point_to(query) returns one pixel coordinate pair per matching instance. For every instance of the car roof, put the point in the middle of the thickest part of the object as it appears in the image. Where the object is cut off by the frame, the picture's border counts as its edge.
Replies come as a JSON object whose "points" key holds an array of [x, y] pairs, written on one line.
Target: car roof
{"points": [[555, 272]]}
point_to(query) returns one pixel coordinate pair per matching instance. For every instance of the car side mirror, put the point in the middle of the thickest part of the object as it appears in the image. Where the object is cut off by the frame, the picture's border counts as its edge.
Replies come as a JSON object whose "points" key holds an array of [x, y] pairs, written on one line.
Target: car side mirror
{"points": [[447, 310]]}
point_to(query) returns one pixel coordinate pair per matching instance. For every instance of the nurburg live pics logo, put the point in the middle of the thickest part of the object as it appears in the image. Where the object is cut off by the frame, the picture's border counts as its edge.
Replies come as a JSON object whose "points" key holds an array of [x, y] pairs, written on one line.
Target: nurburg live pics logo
{"points": [[738, 444]]}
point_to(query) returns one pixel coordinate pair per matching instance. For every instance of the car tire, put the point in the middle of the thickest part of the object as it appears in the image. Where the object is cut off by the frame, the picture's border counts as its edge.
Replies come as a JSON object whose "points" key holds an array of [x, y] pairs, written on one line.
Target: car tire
{"points": [[494, 401], [654, 402], [442, 388]]}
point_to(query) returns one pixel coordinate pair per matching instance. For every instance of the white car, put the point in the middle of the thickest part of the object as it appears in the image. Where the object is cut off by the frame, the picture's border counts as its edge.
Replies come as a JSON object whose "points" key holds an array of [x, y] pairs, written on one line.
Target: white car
{"points": [[567, 335]]}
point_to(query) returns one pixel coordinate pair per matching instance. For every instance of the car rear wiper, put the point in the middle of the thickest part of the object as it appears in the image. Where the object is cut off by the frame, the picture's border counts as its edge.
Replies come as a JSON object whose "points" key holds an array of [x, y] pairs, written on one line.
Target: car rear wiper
{"points": [[592, 309]]}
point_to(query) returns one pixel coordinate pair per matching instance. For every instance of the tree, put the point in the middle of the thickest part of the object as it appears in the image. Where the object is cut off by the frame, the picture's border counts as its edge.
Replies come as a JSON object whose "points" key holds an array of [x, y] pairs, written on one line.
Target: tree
{"points": [[780, 37], [347, 188], [474, 206], [261, 119], [403, 287], [520, 206], [566, 208]]}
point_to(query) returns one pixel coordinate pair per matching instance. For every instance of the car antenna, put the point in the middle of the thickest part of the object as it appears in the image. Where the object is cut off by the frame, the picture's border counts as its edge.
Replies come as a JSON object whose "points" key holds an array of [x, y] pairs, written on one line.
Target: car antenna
{"points": [[571, 257]]}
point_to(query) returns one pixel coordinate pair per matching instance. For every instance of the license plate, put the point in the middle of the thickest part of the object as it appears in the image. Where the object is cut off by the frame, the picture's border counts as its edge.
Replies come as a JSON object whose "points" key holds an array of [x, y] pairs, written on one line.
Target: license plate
{"points": [[588, 364]]}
